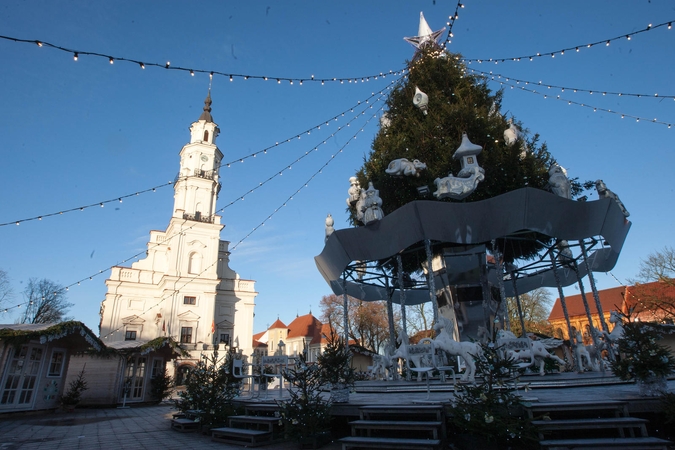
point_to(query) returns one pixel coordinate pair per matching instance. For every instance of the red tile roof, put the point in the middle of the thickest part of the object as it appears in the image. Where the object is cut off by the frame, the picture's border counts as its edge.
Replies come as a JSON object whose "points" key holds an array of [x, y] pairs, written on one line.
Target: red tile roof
{"points": [[305, 326], [610, 300], [277, 324]]}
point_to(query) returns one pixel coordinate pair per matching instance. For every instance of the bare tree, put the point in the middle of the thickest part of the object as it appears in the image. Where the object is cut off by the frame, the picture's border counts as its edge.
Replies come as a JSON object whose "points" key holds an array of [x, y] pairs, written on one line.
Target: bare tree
{"points": [[46, 302], [536, 306], [653, 291], [367, 321], [5, 288], [419, 318], [659, 266]]}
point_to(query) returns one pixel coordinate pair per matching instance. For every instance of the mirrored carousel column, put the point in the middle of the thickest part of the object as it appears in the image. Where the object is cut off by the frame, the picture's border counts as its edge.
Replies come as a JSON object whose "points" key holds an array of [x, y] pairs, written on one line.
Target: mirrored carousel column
{"points": [[345, 305], [503, 307], [575, 353], [594, 331], [401, 293], [390, 320], [430, 278], [591, 280], [520, 308]]}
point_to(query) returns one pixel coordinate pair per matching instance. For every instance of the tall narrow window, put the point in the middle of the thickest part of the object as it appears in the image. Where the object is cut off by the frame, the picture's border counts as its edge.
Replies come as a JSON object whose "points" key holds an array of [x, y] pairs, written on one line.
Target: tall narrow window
{"points": [[195, 263], [186, 335], [56, 363], [206, 135]]}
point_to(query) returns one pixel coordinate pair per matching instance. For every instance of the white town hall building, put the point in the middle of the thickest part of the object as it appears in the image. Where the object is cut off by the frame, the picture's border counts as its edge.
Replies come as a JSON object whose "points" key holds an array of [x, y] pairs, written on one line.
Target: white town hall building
{"points": [[184, 287]]}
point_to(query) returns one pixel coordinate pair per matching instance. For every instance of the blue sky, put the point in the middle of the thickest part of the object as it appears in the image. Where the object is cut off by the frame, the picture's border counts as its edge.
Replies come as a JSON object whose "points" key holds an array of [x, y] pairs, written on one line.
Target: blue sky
{"points": [[74, 133]]}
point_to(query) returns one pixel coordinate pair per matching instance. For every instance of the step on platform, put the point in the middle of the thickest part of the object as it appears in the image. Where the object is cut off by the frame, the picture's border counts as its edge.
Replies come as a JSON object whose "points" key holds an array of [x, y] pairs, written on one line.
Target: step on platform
{"points": [[241, 436]]}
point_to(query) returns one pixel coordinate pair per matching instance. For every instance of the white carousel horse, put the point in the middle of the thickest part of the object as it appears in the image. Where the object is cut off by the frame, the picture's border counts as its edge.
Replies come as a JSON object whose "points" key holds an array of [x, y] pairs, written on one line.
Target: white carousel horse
{"points": [[612, 339], [468, 351], [402, 352], [538, 350], [383, 365], [586, 360], [482, 335]]}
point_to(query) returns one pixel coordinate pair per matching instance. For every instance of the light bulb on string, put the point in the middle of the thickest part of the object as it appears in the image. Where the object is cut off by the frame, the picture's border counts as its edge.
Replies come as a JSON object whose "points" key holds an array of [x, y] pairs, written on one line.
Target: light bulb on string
{"points": [[75, 56], [111, 60]]}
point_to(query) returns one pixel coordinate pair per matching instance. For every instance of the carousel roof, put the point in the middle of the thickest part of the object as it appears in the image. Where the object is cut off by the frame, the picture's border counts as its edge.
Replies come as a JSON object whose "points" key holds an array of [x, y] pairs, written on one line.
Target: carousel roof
{"points": [[475, 223]]}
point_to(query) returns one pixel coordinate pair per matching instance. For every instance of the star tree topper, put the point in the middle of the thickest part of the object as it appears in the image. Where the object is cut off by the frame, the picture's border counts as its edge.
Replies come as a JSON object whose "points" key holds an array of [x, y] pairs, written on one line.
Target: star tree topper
{"points": [[424, 34]]}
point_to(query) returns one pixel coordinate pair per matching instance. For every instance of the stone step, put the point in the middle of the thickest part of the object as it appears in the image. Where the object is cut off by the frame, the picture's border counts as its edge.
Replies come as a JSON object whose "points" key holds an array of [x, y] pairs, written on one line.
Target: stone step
{"points": [[389, 443], [401, 425], [605, 443], [241, 436], [184, 425], [387, 411], [619, 423]]}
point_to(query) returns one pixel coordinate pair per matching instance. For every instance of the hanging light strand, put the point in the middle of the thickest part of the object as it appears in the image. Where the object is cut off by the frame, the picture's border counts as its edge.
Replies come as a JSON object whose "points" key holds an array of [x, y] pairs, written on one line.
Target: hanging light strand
{"points": [[576, 48], [309, 130], [231, 76], [585, 105], [306, 183], [451, 22], [499, 77], [82, 208], [279, 173]]}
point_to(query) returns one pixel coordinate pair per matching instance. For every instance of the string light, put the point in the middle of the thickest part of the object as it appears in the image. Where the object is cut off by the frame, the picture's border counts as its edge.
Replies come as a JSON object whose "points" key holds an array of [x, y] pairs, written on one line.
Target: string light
{"points": [[569, 102], [75, 55], [496, 76], [589, 45], [82, 208], [308, 131], [168, 66]]}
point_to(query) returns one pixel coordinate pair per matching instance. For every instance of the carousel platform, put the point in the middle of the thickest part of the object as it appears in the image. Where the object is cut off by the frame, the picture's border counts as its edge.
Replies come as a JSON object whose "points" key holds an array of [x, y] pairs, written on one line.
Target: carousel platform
{"points": [[550, 388]]}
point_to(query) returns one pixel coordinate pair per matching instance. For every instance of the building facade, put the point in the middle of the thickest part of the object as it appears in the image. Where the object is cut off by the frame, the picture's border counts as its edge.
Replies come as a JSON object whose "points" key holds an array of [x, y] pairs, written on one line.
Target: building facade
{"points": [[184, 287]]}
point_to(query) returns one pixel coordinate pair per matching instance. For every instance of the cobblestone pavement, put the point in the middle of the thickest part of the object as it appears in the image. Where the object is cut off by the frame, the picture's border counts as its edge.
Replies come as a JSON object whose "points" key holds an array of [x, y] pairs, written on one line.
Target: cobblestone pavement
{"points": [[144, 427]]}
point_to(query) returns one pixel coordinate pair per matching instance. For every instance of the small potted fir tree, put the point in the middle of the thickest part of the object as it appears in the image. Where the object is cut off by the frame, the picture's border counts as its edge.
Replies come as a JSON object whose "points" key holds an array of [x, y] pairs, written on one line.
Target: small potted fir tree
{"points": [[336, 370], [74, 393], [642, 359]]}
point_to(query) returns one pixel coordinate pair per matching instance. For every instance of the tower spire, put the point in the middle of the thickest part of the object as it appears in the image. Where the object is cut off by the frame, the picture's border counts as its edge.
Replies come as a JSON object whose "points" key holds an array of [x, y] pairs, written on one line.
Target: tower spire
{"points": [[206, 115]]}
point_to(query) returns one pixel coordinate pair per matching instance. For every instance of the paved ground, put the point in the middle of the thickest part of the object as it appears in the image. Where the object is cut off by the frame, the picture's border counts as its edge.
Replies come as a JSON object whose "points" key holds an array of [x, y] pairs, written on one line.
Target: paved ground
{"points": [[146, 427]]}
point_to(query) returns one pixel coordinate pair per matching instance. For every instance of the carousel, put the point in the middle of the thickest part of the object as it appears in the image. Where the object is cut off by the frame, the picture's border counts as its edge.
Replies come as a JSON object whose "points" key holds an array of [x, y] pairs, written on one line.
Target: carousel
{"points": [[466, 265]]}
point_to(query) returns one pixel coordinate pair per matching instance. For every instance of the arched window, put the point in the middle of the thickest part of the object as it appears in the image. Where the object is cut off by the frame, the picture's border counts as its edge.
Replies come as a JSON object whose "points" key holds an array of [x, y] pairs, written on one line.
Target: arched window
{"points": [[206, 135], [195, 263]]}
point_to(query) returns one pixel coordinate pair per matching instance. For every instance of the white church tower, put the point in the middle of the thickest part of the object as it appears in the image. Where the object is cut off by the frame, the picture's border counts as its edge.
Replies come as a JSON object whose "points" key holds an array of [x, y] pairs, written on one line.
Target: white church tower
{"points": [[184, 288]]}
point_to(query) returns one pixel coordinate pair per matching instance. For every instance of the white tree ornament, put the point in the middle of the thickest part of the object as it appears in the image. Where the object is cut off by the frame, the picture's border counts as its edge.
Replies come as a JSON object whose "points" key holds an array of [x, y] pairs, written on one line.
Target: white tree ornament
{"points": [[604, 192], [511, 134], [329, 226], [467, 179], [403, 167], [354, 191], [421, 100], [424, 34], [558, 181]]}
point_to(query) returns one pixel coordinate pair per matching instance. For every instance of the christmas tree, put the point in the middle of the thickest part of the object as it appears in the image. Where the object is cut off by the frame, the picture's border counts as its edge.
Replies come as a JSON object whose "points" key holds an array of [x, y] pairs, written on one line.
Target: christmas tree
{"points": [[458, 103]]}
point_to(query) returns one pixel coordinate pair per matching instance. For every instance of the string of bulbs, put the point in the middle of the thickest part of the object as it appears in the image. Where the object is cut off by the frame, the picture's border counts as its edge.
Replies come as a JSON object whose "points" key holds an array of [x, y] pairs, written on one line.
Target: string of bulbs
{"points": [[595, 108], [563, 88], [261, 224], [239, 160], [192, 71], [309, 130], [241, 197], [576, 48], [279, 173], [451, 22]]}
